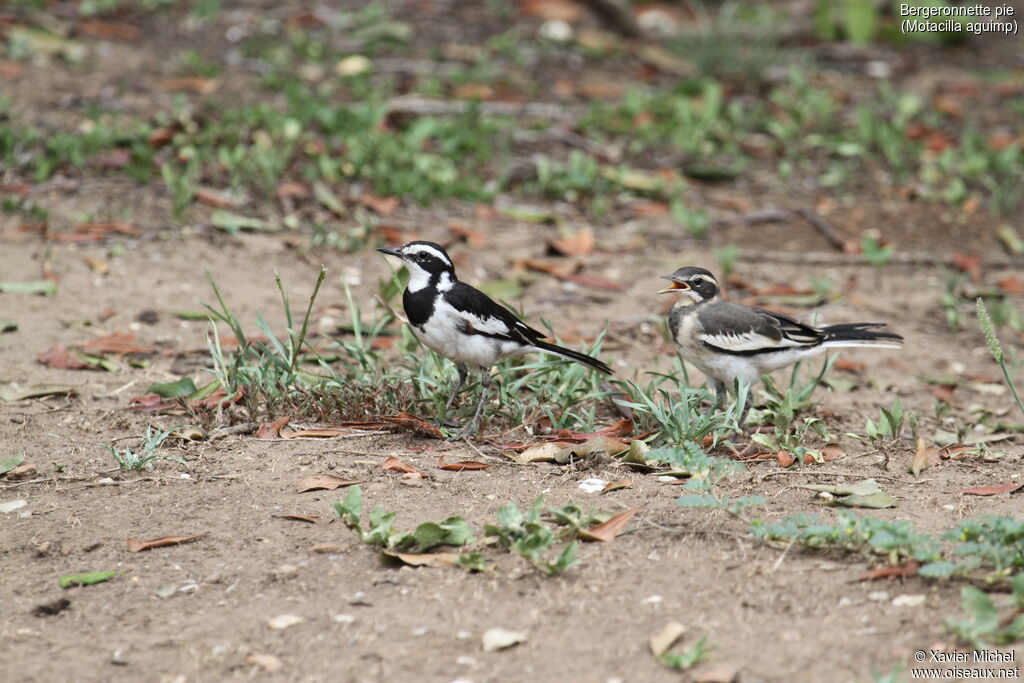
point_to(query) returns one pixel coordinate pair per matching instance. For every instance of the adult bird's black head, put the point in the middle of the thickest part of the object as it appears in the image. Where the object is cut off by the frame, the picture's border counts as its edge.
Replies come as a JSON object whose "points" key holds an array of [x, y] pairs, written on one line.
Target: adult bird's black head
{"points": [[427, 262], [698, 284]]}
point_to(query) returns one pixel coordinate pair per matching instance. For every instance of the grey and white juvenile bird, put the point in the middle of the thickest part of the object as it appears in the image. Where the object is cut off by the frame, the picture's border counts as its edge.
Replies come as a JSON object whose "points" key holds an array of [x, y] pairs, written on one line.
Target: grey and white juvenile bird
{"points": [[729, 341], [463, 324]]}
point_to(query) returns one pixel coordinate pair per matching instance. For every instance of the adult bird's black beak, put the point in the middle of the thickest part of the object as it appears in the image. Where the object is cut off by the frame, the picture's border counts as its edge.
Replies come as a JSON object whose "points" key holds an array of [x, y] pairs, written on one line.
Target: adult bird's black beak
{"points": [[390, 251]]}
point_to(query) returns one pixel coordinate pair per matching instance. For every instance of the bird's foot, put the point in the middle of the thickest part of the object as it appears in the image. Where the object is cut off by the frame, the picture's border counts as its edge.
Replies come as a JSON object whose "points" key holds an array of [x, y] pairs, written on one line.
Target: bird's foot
{"points": [[469, 430]]}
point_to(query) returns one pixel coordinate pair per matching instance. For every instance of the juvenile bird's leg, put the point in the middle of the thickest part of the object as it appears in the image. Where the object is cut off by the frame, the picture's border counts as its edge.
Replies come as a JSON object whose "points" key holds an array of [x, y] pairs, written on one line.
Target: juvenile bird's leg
{"points": [[471, 428], [720, 395], [743, 415]]}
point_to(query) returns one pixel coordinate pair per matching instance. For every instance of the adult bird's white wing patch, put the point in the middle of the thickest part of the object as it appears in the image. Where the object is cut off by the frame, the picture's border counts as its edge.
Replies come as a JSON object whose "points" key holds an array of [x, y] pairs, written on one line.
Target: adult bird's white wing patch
{"points": [[486, 324], [747, 341]]}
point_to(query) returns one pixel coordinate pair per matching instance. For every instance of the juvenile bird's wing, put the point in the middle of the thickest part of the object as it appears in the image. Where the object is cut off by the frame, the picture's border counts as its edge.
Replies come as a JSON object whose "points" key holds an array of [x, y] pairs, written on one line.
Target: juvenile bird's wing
{"points": [[745, 330], [482, 315]]}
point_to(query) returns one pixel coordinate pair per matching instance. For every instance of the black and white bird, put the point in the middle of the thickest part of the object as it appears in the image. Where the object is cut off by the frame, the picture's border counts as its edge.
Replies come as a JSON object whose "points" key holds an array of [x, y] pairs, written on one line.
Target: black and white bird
{"points": [[463, 324], [729, 341]]}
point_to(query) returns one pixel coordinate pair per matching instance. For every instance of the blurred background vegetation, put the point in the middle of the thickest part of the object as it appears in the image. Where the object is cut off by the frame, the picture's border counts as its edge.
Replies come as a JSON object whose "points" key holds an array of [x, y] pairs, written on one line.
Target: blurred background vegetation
{"points": [[329, 116]]}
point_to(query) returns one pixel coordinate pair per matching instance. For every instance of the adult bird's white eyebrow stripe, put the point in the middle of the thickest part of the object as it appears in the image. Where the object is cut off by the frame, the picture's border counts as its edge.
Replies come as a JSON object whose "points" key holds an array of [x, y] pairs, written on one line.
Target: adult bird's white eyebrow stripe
{"points": [[427, 249]]}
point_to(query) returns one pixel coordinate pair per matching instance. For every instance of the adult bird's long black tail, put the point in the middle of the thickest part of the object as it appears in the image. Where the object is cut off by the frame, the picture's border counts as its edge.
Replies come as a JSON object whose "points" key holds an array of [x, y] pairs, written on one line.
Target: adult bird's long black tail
{"points": [[573, 355], [860, 334]]}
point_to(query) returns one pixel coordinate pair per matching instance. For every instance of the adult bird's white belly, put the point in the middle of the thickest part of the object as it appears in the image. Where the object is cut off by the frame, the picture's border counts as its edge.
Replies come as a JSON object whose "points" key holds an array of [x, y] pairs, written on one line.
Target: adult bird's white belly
{"points": [[445, 333]]}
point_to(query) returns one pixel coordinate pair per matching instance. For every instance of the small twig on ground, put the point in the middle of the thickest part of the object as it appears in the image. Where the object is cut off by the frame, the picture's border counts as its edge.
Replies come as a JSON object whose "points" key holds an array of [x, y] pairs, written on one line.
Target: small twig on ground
{"points": [[41, 480], [766, 215], [825, 474], [782, 557], [431, 107], [823, 227], [115, 392], [418, 67], [471, 445], [609, 153], [233, 430]]}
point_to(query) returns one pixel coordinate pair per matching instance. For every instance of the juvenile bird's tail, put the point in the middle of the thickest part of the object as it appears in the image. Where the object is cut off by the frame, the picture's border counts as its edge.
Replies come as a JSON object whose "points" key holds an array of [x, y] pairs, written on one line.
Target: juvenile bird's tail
{"points": [[573, 355], [861, 334]]}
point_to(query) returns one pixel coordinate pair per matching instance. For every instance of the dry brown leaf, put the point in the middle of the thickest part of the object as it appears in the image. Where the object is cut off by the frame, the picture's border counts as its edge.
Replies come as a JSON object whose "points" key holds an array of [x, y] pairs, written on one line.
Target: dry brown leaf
{"points": [[115, 158], [853, 366], [903, 571], [98, 267], [414, 424], [272, 430], [464, 465], [193, 84], [832, 451], [943, 392], [161, 137], [324, 433], [716, 672], [949, 106], [117, 343], [649, 209], [322, 482], [268, 663], [601, 443], [990, 490], [59, 357], [601, 89], [396, 465], [1011, 284], [426, 559], [292, 189], [93, 232], [666, 638], [474, 238], [925, 456], [384, 206], [579, 243], [26, 471], [108, 30], [312, 519], [543, 452], [560, 270], [564, 10], [220, 200], [606, 531], [327, 549], [968, 263], [616, 485], [474, 91], [136, 546], [10, 70], [784, 458]]}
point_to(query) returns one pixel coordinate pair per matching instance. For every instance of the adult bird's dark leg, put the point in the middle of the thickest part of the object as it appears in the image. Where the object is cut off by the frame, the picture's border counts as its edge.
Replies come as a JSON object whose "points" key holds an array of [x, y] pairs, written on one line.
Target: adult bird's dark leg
{"points": [[463, 374], [485, 384]]}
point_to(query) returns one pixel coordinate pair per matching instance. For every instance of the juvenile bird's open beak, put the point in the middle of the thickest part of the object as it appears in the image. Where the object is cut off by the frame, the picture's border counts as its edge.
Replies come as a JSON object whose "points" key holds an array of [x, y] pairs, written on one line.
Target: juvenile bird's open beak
{"points": [[674, 286], [390, 251]]}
